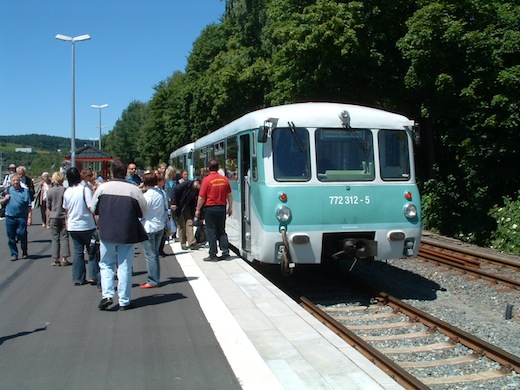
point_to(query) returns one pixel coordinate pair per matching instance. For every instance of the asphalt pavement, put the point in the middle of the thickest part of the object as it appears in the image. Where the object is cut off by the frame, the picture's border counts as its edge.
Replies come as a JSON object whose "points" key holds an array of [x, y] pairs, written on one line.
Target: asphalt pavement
{"points": [[52, 335]]}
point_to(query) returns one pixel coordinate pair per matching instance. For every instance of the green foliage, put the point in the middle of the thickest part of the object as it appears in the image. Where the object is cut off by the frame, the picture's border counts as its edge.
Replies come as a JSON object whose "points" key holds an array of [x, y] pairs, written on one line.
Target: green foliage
{"points": [[335, 51], [233, 80], [124, 140], [201, 94], [456, 209], [464, 66], [36, 141], [37, 163], [298, 60], [506, 237], [163, 126], [49, 152]]}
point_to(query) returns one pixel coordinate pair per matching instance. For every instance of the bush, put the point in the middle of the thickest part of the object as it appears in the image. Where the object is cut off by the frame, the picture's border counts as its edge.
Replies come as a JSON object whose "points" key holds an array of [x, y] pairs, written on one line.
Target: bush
{"points": [[452, 208], [506, 237], [440, 203]]}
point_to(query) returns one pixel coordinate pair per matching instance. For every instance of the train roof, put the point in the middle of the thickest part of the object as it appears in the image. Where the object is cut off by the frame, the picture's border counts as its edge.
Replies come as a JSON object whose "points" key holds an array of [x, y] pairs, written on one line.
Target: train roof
{"points": [[182, 150], [311, 115]]}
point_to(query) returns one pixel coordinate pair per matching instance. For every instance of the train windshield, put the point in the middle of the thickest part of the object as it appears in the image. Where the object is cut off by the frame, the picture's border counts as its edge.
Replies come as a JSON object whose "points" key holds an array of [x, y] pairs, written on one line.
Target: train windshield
{"points": [[291, 156], [345, 154], [394, 155]]}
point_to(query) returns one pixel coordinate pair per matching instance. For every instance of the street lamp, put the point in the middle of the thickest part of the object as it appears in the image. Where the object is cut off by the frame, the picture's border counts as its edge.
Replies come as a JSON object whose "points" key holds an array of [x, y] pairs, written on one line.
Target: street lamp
{"points": [[73, 135], [100, 127]]}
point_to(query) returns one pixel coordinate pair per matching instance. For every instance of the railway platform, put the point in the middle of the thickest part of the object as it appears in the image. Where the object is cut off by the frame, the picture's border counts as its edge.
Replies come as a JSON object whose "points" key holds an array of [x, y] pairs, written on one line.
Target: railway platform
{"points": [[269, 340], [212, 326]]}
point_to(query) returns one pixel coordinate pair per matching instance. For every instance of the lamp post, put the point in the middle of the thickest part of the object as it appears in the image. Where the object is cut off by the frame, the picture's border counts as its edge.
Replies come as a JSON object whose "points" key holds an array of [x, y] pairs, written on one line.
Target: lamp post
{"points": [[73, 135], [100, 127]]}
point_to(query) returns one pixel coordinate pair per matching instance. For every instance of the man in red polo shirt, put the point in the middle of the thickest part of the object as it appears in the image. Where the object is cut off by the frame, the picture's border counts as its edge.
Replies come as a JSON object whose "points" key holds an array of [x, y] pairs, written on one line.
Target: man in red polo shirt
{"points": [[214, 194]]}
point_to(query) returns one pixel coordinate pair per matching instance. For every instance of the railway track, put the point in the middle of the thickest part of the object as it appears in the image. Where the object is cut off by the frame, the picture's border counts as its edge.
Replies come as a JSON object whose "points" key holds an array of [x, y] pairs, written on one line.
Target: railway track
{"points": [[494, 268], [416, 349], [378, 332]]}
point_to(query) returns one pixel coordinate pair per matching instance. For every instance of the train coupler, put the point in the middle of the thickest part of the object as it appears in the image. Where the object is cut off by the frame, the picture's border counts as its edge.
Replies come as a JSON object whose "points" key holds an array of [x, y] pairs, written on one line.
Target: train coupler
{"points": [[286, 264], [359, 248]]}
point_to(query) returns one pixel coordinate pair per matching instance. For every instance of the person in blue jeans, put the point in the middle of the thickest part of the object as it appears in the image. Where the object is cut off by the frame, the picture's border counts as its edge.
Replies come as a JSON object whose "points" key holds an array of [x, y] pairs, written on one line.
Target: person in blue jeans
{"points": [[18, 212], [153, 222], [214, 194], [120, 205], [80, 222]]}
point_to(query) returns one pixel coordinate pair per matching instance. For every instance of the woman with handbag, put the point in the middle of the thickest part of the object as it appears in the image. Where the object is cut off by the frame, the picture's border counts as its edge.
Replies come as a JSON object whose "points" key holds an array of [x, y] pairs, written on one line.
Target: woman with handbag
{"points": [[88, 181], [60, 236], [80, 223], [153, 222]]}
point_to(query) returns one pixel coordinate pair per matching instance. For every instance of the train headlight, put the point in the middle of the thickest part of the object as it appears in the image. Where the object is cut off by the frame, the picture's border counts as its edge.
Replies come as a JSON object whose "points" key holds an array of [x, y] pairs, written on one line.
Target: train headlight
{"points": [[410, 211], [283, 213]]}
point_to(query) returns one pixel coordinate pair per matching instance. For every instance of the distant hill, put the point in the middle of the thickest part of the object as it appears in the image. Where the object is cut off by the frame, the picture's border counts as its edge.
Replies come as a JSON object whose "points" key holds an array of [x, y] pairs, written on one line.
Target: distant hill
{"points": [[45, 158], [39, 141]]}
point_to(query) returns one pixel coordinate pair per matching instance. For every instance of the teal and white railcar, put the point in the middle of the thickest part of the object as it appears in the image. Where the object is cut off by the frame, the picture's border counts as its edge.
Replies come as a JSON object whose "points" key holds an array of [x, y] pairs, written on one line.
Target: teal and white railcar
{"points": [[314, 182], [183, 158]]}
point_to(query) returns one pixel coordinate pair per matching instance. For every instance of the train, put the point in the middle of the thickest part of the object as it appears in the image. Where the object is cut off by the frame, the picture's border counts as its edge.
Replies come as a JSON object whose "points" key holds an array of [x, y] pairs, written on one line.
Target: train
{"points": [[182, 158], [316, 182]]}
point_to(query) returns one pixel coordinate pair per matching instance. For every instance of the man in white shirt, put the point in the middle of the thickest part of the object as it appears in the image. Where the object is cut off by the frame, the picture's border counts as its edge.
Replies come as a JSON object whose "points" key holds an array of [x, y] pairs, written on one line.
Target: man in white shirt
{"points": [[7, 178]]}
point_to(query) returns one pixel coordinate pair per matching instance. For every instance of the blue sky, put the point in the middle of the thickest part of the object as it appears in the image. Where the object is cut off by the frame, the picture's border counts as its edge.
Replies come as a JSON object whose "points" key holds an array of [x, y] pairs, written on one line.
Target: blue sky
{"points": [[134, 45]]}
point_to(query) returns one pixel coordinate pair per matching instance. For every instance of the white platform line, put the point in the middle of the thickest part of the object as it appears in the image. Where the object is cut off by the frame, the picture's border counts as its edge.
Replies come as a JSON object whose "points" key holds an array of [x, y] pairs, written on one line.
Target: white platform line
{"points": [[247, 364]]}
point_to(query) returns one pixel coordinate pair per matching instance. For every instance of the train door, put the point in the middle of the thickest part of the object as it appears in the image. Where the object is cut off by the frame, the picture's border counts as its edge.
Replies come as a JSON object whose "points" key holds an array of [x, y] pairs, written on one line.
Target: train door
{"points": [[245, 190], [189, 165]]}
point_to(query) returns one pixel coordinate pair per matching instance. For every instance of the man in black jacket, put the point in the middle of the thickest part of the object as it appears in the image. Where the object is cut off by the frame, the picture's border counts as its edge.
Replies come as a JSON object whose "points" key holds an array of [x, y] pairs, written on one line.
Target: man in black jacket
{"points": [[119, 205]]}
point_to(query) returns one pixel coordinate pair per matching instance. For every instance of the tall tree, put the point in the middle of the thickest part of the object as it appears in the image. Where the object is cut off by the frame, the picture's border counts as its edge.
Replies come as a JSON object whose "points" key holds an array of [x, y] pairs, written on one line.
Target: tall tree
{"points": [[167, 127], [464, 66], [123, 141], [336, 51], [224, 79]]}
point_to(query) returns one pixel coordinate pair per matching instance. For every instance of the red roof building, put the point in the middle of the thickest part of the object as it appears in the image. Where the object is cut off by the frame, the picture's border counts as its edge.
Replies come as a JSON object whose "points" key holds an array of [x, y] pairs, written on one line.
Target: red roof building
{"points": [[90, 156]]}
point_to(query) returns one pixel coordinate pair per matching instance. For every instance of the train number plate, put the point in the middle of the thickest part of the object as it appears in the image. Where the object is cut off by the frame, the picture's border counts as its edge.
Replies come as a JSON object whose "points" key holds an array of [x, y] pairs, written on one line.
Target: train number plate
{"points": [[349, 200]]}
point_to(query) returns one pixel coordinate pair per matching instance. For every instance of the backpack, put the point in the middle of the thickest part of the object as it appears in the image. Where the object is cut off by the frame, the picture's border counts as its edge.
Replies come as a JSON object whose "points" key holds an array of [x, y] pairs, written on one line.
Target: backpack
{"points": [[2, 207]]}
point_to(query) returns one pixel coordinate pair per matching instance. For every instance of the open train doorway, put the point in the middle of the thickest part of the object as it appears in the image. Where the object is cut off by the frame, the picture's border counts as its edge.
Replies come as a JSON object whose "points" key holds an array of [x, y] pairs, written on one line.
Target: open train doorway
{"points": [[245, 190]]}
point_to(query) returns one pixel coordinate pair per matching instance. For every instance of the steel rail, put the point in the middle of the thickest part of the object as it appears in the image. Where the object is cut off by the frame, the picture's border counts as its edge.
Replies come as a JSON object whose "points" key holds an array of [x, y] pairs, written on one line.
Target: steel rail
{"points": [[450, 256], [433, 256], [396, 372], [486, 256], [506, 359]]}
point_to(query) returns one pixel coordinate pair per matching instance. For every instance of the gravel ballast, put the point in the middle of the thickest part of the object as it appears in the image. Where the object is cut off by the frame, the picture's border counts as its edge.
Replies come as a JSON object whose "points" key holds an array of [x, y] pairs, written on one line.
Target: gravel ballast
{"points": [[473, 305]]}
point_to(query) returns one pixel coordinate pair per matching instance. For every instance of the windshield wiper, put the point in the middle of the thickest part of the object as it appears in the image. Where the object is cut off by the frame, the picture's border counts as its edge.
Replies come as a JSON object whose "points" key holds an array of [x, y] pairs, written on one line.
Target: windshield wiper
{"points": [[296, 138]]}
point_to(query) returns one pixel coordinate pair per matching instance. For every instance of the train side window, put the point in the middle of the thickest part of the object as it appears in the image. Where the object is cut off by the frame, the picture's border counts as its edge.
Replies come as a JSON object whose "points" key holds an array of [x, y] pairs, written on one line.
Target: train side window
{"points": [[345, 154], [231, 163], [291, 156], [219, 154], [394, 155], [201, 161]]}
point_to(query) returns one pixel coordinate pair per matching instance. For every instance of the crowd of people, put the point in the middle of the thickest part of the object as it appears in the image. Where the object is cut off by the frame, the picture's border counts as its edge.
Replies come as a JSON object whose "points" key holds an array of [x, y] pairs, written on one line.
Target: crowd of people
{"points": [[106, 219]]}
